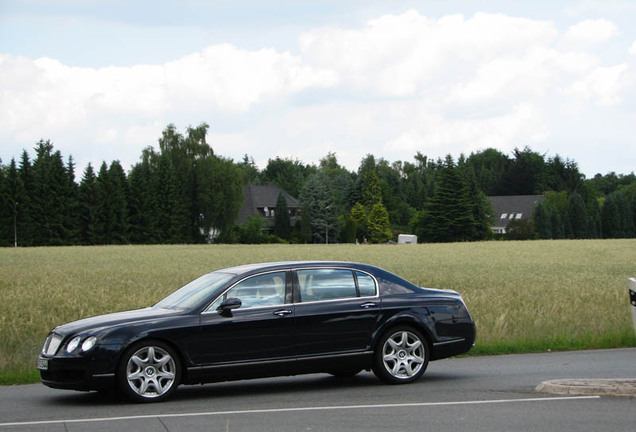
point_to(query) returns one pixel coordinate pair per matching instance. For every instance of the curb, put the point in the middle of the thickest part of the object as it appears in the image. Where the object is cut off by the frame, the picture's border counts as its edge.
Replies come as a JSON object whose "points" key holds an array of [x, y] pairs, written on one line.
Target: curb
{"points": [[621, 387]]}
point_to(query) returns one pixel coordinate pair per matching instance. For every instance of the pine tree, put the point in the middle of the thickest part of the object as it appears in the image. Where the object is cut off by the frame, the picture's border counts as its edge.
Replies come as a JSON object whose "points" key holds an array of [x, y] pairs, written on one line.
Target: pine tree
{"points": [[48, 198], [170, 218], [448, 215], [318, 203], [577, 215], [282, 224], [70, 193], [617, 216], [542, 223], [481, 209], [11, 195], [6, 210], [371, 191], [359, 218], [26, 220], [556, 225], [103, 217], [88, 207], [378, 224], [142, 204], [118, 201]]}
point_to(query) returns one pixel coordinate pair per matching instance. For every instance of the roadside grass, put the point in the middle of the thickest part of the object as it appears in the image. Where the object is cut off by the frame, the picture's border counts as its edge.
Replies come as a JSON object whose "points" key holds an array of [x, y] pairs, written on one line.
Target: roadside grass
{"points": [[524, 296]]}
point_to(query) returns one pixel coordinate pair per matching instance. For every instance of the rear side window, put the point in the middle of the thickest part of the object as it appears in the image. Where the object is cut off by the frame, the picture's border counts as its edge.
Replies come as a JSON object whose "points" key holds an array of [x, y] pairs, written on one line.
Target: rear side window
{"points": [[326, 284], [366, 284]]}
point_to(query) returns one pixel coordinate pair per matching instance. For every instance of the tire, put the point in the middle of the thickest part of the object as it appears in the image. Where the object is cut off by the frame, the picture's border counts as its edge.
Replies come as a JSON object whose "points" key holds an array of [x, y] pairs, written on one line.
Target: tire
{"points": [[149, 372], [401, 355]]}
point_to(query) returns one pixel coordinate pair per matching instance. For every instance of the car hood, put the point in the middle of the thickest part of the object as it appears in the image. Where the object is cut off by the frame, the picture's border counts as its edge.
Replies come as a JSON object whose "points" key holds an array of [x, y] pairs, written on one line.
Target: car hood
{"points": [[114, 319]]}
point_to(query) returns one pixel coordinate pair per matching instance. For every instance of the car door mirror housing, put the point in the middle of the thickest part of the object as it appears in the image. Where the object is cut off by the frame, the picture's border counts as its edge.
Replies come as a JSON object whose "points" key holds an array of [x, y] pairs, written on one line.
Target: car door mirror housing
{"points": [[229, 304]]}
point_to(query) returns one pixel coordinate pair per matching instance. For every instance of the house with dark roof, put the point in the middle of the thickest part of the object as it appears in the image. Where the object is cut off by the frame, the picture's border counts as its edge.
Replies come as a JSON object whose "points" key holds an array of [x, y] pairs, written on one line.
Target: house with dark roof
{"points": [[512, 207], [260, 200]]}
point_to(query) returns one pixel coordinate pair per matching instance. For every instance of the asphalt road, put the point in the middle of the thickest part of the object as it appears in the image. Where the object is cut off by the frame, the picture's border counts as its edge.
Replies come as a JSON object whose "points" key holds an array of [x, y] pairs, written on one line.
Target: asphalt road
{"points": [[466, 394]]}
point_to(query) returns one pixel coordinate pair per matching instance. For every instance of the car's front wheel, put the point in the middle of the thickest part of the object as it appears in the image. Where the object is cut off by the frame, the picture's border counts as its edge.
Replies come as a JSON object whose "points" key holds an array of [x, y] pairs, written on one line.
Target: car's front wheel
{"points": [[149, 372], [401, 356]]}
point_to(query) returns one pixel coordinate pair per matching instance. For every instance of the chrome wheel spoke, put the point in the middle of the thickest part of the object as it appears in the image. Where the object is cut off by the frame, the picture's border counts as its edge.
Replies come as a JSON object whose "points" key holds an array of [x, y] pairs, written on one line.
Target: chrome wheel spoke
{"points": [[151, 355], [414, 346], [390, 358], [165, 375], [162, 362], [403, 355], [136, 375], [138, 361], [393, 344], [151, 372]]}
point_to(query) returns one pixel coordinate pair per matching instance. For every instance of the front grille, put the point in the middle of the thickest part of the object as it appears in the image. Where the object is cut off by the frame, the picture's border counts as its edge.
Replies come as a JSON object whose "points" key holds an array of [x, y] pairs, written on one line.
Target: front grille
{"points": [[52, 344]]}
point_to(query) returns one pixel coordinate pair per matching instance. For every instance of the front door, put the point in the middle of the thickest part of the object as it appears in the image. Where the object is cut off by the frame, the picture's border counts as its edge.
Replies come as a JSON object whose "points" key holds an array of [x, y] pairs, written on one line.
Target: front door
{"points": [[259, 331]]}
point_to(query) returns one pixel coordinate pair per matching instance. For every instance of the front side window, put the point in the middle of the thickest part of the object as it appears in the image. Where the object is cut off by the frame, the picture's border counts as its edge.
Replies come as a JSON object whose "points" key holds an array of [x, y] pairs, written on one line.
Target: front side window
{"points": [[326, 284], [263, 290]]}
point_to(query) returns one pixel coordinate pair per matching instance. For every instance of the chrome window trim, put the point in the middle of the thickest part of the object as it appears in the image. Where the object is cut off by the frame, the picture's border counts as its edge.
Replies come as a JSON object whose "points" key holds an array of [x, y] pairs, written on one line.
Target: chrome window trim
{"points": [[207, 309], [353, 270]]}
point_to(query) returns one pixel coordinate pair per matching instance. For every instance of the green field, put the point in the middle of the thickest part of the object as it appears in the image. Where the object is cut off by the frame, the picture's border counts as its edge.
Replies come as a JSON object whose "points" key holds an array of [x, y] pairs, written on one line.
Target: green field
{"points": [[524, 296]]}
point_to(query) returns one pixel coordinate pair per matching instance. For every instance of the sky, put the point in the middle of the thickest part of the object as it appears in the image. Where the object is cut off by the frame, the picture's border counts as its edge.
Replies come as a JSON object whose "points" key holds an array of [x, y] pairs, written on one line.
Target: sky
{"points": [[300, 79]]}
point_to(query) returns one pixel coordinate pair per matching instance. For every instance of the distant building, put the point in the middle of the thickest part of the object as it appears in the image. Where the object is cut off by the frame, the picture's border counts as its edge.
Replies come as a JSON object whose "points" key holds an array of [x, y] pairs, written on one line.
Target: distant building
{"points": [[260, 200], [512, 207]]}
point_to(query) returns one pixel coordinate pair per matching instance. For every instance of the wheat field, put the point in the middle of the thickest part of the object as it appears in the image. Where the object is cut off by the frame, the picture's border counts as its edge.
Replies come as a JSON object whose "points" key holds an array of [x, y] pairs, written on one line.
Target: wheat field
{"points": [[524, 296]]}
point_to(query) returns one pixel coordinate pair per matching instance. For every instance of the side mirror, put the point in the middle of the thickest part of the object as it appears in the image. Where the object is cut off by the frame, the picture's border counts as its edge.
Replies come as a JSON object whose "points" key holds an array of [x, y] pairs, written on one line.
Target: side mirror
{"points": [[228, 304]]}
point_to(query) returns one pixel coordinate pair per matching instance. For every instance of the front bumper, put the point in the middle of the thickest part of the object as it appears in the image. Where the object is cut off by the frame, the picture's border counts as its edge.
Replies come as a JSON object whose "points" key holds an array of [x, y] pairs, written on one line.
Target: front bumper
{"points": [[94, 372]]}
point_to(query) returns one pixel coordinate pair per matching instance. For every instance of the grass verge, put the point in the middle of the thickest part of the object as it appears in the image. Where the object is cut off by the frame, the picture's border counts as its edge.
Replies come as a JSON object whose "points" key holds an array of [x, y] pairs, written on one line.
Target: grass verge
{"points": [[524, 296]]}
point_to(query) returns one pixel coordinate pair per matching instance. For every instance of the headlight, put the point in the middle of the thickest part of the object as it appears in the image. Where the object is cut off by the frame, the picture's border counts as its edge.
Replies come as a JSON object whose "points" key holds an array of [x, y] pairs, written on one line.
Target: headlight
{"points": [[74, 343], [89, 343]]}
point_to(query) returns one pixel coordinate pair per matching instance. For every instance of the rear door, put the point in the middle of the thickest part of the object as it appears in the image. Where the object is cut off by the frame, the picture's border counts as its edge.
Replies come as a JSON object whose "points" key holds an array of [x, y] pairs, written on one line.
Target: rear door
{"points": [[336, 311]]}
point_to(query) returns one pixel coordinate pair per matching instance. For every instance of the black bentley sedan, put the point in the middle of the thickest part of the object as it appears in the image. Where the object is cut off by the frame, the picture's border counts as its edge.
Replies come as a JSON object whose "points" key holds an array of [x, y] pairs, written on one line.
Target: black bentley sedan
{"points": [[262, 320]]}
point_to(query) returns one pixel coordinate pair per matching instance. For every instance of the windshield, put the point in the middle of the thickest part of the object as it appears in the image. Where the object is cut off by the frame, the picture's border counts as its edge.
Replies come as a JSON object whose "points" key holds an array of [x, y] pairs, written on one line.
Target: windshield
{"points": [[195, 292]]}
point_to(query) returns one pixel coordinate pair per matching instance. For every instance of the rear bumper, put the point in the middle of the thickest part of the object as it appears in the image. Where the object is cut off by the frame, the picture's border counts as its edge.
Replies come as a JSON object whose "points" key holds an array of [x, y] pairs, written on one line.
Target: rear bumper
{"points": [[455, 346]]}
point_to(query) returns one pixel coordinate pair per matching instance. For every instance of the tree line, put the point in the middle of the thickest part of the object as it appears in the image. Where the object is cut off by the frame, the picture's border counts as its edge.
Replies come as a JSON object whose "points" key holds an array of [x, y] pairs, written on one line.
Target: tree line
{"points": [[182, 192]]}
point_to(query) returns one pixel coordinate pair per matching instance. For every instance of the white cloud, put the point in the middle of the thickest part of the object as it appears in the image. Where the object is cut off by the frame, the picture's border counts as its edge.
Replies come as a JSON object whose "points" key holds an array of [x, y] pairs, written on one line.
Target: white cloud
{"points": [[603, 84], [591, 32], [410, 54], [235, 80], [440, 135], [397, 84], [49, 93]]}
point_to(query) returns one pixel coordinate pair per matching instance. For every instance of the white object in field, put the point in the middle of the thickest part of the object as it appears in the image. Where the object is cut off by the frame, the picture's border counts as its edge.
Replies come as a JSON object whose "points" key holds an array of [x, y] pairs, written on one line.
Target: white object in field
{"points": [[407, 239]]}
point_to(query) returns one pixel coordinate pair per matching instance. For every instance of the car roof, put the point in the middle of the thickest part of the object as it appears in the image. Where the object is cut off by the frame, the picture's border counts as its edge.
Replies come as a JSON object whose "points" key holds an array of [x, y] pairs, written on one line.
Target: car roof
{"points": [[249, 268]]}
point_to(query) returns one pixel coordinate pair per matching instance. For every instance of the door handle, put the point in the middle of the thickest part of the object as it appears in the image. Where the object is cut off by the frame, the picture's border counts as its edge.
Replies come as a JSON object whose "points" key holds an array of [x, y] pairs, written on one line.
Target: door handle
{"points": [[282, 312], [367, 305]]}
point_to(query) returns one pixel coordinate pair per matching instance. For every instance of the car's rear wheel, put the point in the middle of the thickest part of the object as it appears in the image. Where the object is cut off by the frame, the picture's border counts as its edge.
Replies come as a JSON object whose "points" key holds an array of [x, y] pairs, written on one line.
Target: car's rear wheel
{"points": [[401, 355], [149, 372]]}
